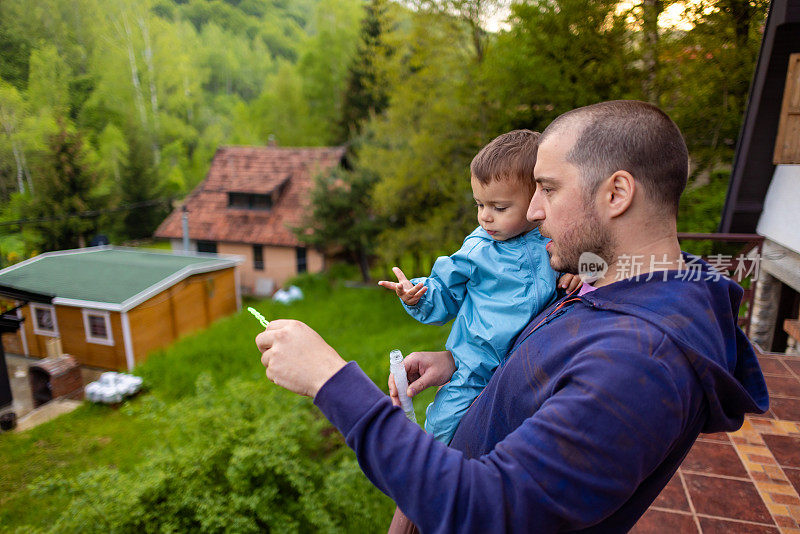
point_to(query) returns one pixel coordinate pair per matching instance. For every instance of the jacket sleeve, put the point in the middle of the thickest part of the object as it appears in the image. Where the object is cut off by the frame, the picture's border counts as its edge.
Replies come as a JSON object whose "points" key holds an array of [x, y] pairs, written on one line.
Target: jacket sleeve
{"points": [[571, 463], [447, 287]]}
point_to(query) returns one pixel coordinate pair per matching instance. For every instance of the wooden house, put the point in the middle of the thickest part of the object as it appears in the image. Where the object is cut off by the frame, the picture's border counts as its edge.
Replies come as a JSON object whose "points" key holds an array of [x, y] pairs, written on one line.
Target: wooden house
{"points": [[247, 205], [109, 307], [764, 191]]}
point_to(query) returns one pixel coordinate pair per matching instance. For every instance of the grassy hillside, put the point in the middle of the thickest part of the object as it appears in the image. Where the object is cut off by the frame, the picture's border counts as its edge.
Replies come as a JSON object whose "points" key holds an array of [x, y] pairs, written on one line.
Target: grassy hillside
{"points": [[212, 445]]}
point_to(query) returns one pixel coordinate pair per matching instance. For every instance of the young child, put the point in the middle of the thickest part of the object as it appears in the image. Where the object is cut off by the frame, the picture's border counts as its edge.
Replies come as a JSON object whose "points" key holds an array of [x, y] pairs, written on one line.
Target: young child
{"points": [[499, 279]]}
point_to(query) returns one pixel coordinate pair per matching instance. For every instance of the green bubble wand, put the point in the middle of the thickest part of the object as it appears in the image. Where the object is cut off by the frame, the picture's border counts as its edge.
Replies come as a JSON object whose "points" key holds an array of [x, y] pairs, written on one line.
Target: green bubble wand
{"points": [[261, 318]]}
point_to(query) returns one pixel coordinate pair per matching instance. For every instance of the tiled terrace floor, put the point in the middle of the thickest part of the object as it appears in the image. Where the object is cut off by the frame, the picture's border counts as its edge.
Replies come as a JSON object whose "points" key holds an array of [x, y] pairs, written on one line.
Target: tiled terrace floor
{"points": [[744, 482]]}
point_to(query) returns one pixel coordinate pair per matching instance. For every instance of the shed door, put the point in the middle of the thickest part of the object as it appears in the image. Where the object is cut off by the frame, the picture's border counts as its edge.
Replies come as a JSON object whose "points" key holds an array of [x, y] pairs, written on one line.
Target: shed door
{"points": [[787, 145]]}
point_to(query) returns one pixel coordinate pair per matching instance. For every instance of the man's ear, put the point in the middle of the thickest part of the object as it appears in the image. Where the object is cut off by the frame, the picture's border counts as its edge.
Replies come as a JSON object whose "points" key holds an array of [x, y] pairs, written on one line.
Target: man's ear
{"points": [[618, 193]]}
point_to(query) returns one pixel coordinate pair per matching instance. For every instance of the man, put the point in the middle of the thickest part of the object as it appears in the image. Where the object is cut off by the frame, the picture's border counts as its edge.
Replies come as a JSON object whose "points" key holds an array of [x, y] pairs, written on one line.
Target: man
{"points": [[604, 392]]}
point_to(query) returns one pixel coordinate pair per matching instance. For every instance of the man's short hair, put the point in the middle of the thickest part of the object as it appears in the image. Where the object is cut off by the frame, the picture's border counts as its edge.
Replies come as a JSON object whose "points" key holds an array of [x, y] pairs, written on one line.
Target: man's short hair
{"points": [[510, 156], [628, 135]]}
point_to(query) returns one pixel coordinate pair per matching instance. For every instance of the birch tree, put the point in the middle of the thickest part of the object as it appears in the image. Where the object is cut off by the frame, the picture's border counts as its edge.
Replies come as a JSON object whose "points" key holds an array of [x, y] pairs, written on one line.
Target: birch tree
{"points": [[12, 110]]}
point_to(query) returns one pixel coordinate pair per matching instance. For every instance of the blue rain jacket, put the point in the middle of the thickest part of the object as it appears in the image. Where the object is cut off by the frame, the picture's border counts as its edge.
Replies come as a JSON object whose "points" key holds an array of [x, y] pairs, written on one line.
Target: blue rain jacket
{"points": [[582, 426], [492, 288]]}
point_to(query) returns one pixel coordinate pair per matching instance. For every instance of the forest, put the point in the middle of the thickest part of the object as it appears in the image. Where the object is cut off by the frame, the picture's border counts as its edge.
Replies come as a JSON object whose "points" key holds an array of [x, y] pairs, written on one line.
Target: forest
{"points": [[111, 110]]}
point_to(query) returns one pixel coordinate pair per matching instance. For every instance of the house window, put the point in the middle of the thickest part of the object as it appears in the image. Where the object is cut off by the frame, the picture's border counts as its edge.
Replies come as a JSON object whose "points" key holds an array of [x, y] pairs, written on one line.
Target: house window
{"points": [[260, 202], [97, 325], [44, 320], [207, 246], [238, 200], [258, 257], [301, 260], [250, 201]]}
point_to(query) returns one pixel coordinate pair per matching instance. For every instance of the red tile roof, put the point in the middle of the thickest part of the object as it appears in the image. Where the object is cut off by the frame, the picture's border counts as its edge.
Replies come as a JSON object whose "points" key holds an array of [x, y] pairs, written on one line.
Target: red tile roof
{"points": [[253, 170]]}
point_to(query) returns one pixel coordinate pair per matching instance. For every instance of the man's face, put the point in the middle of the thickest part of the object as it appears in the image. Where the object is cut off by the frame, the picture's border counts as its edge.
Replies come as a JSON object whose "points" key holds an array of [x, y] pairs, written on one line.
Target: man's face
{"points": [[561, 207]]}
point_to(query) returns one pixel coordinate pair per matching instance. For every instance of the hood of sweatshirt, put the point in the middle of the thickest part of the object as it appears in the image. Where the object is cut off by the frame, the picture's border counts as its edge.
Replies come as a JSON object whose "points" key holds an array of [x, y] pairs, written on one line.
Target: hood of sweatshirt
{"points": [[697, 309]]}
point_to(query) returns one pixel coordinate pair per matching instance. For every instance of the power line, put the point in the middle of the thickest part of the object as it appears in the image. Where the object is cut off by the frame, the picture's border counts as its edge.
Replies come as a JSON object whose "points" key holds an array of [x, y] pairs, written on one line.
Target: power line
{"points": [[92, 213]]}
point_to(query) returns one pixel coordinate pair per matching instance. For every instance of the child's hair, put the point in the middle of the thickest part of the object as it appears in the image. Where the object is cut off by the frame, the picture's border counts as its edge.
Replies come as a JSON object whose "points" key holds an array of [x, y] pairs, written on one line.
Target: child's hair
{"points": [[510, 156]]}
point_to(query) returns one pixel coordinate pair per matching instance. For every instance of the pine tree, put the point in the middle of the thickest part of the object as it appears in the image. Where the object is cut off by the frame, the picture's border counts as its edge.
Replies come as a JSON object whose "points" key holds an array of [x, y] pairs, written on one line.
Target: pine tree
{"points": [[366, 91], [141, 187], [67, 188]]}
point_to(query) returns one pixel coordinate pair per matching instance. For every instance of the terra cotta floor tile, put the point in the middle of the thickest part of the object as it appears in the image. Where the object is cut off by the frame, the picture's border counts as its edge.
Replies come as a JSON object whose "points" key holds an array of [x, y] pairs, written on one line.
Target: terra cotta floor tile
{"points": [[657, 522], [772, 365], [783, 385], [794, 477], [721, 497], [787, 409], [714, 458], [786, 449], [719, 526], [716, 436], [673, 496], [785, 521], [793, 364]]}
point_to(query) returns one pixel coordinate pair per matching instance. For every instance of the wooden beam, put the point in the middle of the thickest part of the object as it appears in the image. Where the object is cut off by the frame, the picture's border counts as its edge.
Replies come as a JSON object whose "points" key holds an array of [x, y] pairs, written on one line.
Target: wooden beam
{"points": [[787, 144]]}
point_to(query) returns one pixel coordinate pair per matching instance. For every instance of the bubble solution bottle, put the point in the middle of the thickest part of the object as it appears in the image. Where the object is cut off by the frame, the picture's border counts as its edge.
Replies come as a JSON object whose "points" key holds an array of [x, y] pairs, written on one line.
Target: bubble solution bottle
{"points": [[397, 369]]}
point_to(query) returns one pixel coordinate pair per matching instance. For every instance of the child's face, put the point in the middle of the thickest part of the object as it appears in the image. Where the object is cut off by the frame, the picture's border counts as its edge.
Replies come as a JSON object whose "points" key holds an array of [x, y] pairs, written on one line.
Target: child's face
{"points": [[502, 205]]}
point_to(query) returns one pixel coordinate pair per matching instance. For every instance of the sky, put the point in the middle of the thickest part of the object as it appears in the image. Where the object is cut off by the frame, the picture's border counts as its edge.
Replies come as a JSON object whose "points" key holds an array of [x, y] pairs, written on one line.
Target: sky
{"points": [[671, 17]]}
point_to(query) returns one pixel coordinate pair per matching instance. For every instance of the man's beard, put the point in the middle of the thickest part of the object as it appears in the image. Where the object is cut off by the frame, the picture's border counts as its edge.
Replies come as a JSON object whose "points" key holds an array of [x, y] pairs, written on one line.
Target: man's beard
{"points": [[584, 234]]}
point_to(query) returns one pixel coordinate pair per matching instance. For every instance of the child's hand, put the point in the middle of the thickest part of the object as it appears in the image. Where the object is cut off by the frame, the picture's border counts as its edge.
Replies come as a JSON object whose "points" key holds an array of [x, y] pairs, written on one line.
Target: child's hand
{"points": [[408, 292], [569, 282]]}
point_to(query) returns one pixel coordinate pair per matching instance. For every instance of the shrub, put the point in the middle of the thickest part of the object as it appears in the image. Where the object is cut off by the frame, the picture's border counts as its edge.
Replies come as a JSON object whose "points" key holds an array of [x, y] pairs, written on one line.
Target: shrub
{"points": [[246, 457]]}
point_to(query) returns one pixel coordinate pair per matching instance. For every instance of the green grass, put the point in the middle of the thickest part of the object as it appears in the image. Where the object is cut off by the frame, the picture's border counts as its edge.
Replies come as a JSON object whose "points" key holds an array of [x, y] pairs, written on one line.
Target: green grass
{"points": [[92, 436], [363, 324], [156, 244]]}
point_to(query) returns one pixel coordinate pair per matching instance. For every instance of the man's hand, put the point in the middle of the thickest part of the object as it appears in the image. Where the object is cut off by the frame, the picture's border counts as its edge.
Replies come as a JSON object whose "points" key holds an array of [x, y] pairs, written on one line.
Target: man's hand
{"points": [[424, 369], [408, 292], [569, 282], [296, 357]]}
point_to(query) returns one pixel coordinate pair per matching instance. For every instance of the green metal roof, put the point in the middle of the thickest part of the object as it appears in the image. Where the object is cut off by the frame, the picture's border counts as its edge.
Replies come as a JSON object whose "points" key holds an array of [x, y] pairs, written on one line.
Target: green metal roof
{"points": [[104, 274]]}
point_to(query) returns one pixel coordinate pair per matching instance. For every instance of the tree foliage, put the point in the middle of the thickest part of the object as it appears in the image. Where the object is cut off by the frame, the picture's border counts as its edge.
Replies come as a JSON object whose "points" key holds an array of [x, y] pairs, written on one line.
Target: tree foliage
{"points": [[67, 186], [707, 73], [165, 82], [245, 457], [453, 88], [366, 91], [420, 86], [341, 217]]}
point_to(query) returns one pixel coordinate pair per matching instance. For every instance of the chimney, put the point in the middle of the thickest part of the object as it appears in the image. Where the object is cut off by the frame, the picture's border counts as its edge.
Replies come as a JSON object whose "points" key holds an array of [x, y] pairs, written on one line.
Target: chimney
{"points": [[185, 224]]}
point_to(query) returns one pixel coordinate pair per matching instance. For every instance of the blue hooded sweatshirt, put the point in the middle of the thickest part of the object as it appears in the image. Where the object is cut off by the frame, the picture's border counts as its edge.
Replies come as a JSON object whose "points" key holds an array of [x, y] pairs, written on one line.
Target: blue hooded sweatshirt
{"points": [[492, 288], [584, 424]]}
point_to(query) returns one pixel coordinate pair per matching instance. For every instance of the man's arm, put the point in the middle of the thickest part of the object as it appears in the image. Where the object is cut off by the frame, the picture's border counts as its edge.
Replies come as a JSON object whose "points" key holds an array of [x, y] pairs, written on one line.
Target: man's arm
{"points": [[572, 462]]}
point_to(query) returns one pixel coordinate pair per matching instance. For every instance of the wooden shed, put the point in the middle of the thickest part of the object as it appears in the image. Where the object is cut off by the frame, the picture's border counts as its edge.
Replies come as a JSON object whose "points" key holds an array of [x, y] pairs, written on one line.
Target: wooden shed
{"points": [[764, 191], [109, 307]]}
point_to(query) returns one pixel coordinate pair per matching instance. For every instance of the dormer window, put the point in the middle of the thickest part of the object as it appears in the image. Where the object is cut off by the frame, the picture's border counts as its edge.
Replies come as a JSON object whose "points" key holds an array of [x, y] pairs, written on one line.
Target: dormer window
{"points": [[250, 201]]}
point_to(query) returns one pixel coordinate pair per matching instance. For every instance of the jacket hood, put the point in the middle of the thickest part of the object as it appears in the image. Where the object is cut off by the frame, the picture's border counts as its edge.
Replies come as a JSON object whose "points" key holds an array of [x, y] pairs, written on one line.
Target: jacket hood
{"points": [[697, 309]]}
